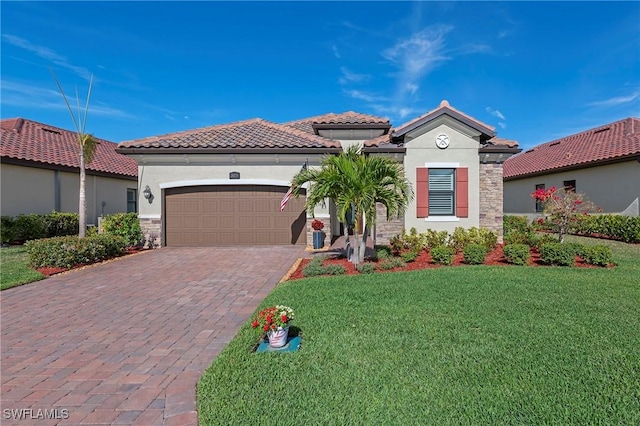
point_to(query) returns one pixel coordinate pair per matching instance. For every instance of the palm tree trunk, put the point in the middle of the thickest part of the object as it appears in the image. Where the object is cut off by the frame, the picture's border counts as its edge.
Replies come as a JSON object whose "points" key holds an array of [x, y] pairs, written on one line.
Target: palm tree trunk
{"points": [[347, 244], [82, 207], [363, 244]]}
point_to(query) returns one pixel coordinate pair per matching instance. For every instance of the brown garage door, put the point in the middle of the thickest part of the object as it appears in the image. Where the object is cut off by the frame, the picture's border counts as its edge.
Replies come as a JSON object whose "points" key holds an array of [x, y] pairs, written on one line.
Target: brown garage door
{"points": [[232, 215]]}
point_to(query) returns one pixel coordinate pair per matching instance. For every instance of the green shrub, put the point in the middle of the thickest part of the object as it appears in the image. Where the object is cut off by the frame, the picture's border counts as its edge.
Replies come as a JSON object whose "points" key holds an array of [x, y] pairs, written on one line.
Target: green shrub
{"points": [[57, 224], [383, 252], [391, 263], [413, 241], [557, 254], [538, 240], [623, 228], [519, 237], [577, 248], [517, 254], [7, 229], [435, 238], [474, 254], [459, 239], [442, 255], [515, 223], [29, 227], [70, 251], [397, 244], [125, 225], [314, 268], [366, 268], [334, 269], [599, 255], [409, 256]]}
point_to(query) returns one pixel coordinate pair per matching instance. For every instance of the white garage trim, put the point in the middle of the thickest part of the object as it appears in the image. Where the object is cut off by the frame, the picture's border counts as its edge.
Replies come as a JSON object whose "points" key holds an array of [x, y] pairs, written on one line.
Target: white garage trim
{"points": [[207, 182]]}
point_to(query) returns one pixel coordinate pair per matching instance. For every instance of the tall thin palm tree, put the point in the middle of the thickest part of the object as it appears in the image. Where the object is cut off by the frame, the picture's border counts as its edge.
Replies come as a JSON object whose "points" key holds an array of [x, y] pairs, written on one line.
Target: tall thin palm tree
{"points": [[86, 148], [356, 183]]}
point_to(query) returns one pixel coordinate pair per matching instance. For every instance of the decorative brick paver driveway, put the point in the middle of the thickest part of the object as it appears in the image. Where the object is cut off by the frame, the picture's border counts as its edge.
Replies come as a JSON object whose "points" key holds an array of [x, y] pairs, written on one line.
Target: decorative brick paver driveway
{"points": [[125, 342]]}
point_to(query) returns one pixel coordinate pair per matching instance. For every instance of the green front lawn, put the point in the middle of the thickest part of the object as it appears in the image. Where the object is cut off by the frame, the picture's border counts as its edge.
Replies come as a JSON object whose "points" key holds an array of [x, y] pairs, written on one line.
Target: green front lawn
{"points": [[14, 268], [464, 345]]}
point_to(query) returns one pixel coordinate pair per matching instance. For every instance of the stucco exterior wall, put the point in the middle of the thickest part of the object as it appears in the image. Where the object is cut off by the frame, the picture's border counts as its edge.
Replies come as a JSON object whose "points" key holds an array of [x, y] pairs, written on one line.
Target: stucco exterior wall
{"points": [[26, 190], [613, 187], [33, 190], [462, 152], [165, 171]]}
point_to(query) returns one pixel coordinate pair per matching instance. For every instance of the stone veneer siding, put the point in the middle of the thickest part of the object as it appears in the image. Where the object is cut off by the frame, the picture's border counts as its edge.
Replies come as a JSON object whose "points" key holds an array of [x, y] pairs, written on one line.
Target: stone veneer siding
{"points": [[151, 232], [491, 208], [386, 229]]}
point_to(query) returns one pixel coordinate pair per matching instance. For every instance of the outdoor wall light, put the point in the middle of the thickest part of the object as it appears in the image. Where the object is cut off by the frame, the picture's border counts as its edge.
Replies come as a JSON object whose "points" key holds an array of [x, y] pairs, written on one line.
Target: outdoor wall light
{"points": [[147, 194]]}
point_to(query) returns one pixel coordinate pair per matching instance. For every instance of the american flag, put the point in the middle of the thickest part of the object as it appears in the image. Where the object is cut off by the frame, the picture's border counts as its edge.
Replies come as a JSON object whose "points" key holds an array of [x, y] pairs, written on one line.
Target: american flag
{"points": [[287, 196]]}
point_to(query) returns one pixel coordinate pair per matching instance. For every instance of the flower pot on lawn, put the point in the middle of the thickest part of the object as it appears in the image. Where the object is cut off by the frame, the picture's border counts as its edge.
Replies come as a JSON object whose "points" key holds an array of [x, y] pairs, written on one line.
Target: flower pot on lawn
{"points": [[278, 338]]}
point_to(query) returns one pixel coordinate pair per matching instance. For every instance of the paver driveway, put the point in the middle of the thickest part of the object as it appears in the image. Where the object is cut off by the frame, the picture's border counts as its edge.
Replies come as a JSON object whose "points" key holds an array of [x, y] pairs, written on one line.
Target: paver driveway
{"points": [[125, 342]]}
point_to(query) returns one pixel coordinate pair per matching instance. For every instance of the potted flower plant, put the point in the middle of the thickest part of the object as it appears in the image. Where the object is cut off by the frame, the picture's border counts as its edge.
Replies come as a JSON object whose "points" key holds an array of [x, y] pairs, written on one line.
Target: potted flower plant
{"points": [[318, 234], [274, 321]]}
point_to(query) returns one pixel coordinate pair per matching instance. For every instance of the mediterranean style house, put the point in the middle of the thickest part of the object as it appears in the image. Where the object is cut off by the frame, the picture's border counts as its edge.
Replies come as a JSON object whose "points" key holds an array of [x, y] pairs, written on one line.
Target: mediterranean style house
{"points": [[40, 173], [222, 185], [603, 163]]}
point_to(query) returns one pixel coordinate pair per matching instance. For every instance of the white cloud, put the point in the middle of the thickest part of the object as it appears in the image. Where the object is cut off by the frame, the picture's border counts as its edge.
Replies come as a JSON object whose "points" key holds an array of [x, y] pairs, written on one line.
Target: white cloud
{"points": [[364, 96], [336, 53], [496, 113], [46, 53], [28, 96], [502, 125], [352, 77], [618, 100]]}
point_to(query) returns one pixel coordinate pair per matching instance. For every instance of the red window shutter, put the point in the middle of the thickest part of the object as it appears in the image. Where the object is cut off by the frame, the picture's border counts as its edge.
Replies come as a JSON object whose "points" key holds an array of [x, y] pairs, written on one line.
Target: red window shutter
{"points": [[462, 192], [422, 192]]}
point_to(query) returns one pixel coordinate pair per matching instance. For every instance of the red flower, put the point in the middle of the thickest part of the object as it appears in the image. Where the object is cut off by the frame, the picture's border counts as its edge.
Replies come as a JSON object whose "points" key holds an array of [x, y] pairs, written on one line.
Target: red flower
{"points": [[317, 224], [266, 327], [284, 318], [255, 324]]}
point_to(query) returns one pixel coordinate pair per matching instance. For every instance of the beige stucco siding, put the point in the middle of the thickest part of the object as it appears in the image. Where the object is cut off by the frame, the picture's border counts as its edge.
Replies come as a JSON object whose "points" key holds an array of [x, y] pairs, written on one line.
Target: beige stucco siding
{"points": [[161, 172], [462, 152], [33, 190], [26, 190], [613, 187]]}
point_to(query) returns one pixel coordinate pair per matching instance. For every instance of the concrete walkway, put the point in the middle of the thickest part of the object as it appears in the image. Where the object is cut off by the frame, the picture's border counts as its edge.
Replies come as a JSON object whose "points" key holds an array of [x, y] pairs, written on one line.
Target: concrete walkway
{"points": [[125, 342]]}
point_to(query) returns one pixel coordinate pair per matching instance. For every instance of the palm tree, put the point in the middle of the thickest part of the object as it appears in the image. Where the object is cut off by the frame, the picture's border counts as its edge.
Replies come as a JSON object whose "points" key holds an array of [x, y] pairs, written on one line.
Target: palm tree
{"points": [[356, 183], [86, 148]]}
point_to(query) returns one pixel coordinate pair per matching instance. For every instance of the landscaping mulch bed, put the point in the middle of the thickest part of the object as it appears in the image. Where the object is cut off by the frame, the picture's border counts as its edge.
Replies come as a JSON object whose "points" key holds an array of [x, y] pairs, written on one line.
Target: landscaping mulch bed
{"points": [[424, 261]]}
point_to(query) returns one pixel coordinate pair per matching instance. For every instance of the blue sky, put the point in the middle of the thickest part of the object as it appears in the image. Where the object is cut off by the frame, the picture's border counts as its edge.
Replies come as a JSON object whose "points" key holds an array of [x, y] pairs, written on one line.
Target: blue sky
{"points": [[535, 71]]}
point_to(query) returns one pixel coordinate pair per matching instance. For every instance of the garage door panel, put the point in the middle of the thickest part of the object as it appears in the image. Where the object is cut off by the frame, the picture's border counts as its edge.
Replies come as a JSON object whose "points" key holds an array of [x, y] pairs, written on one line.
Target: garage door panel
{"points": [[232, 215]]}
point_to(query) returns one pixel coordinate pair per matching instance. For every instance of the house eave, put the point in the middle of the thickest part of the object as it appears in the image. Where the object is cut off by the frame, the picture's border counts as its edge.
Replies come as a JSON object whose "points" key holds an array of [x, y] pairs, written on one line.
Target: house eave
{"points": [[591, 164], [237, 151], [59, 167]]}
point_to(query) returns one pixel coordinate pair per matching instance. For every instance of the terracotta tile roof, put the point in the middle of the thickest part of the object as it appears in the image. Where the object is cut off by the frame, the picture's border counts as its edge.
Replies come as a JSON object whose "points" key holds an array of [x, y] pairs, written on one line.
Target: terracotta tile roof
{"points": [[444, 108], [384, 140], [254, 133], [349, 117], [29, 140], [606, 143]]}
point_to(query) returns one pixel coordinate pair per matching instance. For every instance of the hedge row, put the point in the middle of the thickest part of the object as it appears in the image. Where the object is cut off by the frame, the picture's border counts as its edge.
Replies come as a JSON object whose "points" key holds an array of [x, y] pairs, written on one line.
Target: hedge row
{"points": [[70, 251], [617, 227], [623, 228], [34, 226]]}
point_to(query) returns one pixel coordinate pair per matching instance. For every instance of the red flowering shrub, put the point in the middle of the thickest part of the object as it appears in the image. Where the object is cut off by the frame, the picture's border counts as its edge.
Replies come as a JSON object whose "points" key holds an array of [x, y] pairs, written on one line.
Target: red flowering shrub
{"points": [[317, 225], [273, 318], [563, 208]]}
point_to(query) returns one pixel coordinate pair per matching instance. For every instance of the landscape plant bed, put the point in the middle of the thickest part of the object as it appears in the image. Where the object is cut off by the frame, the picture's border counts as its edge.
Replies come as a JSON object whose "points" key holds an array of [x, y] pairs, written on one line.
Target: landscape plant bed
{"points": [[48, 271], [425, 261]]}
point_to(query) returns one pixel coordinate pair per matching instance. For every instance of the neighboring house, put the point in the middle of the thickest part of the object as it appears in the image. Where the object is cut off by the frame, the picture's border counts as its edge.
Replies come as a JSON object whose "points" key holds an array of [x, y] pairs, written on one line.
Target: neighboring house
{"points": [[40, 173], [223, 184], [603, 163]]}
